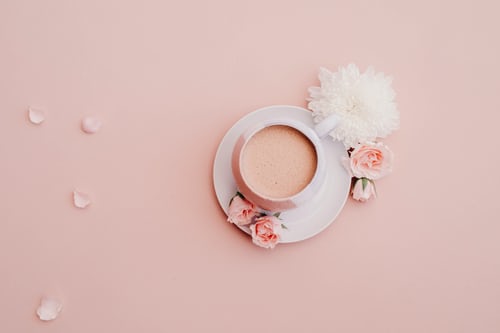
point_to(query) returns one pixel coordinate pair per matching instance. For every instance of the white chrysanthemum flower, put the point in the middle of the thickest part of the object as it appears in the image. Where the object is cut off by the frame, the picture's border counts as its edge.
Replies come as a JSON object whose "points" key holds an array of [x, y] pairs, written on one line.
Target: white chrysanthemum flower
{"points": [[363, 101]]}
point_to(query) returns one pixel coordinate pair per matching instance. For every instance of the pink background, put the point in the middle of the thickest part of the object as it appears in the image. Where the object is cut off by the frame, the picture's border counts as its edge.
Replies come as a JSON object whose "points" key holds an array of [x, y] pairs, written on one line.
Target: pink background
{"points": [[154, 254]]}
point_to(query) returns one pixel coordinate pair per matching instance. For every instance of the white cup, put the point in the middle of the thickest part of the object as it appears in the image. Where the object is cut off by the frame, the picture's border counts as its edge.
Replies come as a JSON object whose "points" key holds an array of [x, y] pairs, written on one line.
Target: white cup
{"points": [[313, 134]]}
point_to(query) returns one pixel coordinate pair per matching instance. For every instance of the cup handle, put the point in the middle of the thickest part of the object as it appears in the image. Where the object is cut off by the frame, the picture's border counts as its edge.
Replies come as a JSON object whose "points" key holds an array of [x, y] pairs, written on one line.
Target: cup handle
{"points": [[326, 125]]}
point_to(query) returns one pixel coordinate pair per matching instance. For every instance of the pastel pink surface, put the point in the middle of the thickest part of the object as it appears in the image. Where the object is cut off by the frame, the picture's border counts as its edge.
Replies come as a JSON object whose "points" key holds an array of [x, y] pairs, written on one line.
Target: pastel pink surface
{"points": [[154, 253]]}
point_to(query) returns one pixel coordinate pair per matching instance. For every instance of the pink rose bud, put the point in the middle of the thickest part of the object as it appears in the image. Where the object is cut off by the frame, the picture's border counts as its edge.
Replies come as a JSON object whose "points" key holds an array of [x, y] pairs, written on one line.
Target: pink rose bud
{"points": [[266, 232], [241, 211], [370, 160], [363, 190]]}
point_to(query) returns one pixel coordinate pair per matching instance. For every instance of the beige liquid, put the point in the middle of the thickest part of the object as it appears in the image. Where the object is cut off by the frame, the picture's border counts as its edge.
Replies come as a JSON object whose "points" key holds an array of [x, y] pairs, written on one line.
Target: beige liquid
{"points": [[278, 162]]}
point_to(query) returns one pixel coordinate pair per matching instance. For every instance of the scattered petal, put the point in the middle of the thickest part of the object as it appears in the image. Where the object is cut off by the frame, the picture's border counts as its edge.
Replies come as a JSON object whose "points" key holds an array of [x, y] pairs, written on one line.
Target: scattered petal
{"points": [[91, 125], [49, 309], [36, 116], [80, 199]]}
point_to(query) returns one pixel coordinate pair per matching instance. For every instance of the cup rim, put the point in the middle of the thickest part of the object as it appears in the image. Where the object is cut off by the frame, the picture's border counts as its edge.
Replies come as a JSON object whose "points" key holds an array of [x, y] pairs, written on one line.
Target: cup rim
{"points": [[305, 130]]}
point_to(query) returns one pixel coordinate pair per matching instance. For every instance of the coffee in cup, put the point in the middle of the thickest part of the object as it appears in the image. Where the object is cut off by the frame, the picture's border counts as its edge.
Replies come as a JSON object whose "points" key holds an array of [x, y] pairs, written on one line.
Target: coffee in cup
{"points": [[280, 164], [278, 161]]}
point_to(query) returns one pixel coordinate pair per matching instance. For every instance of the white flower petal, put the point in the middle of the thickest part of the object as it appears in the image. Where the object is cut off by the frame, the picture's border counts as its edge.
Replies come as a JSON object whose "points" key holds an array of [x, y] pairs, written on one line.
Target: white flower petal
{"points": [[91, 125], [36, 116], [80, 199], [49, 309]]}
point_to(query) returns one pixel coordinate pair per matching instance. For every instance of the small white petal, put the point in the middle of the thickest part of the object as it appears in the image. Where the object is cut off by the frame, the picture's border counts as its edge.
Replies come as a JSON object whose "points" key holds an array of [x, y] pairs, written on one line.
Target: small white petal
{"points": [[91, 125], [36, 116], [80, 199], [49, 309]]}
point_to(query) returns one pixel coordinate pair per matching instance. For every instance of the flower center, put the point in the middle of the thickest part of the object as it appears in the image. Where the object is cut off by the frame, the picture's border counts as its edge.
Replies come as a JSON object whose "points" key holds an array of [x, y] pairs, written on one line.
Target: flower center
{"points": [[352, 105]]}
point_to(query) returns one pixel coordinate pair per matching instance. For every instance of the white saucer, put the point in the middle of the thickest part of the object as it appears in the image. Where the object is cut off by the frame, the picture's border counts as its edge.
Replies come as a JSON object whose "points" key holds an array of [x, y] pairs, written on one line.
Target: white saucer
{"points": [[314, 216]]}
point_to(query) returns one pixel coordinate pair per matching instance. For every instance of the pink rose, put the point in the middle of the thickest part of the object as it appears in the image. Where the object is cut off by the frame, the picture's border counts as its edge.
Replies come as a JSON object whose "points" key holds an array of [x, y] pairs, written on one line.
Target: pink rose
{"points": [[241, 211], [363, 190], [370, 160], [266, 231]]}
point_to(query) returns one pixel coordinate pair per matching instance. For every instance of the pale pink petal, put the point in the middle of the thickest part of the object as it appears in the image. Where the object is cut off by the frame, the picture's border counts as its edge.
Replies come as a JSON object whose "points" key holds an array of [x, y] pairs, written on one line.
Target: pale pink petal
{"points": [[36, 116], [49, 309], [80, 199], [91, 125]]}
